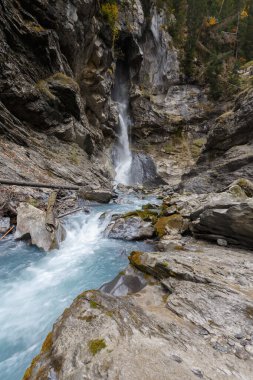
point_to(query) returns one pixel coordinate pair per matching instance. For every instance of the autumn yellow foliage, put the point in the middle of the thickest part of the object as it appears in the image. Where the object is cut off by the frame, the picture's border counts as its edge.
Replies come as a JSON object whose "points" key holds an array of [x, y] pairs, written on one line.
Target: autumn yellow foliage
{"points": [[212, 21], [110, 11], [244, 14]]}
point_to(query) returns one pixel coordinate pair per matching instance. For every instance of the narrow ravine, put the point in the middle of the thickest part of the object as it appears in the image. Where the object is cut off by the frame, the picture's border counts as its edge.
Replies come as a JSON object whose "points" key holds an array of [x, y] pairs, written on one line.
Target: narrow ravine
{"points": [[36, 287]]}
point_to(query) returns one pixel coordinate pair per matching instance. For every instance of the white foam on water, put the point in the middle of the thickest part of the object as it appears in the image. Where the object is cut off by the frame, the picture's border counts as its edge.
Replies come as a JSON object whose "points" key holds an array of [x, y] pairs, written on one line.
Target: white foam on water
{"points": [[33, 298], [124, 154]]}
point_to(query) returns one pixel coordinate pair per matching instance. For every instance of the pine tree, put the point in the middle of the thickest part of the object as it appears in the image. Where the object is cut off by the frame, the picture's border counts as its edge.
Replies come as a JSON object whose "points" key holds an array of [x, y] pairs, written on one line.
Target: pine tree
{"points": [[247, 38], [180, 9], [197, 10]]}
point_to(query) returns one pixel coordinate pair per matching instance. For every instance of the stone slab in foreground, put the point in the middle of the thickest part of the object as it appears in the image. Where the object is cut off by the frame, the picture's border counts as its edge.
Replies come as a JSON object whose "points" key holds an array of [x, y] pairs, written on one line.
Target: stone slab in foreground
{"points": [[192, 320]]}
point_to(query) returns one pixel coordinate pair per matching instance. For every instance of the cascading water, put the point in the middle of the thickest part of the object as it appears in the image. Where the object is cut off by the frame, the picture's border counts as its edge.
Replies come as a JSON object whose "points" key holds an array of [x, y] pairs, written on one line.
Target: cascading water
{"points": [[36, 287], [122, 153], [131, 168]]}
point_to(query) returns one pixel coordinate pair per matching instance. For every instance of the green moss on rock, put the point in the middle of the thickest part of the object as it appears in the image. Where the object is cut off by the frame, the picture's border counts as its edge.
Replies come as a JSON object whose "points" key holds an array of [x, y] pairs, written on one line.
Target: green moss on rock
{"points": [[246, 185], [146, 215], [172, 222], [64, 80], [96, 345], [94, 304], [43, 87], [135, 258], [196, 146], [29, 370], [47, 345], [87, 318], [160, 226], [34, 27]]}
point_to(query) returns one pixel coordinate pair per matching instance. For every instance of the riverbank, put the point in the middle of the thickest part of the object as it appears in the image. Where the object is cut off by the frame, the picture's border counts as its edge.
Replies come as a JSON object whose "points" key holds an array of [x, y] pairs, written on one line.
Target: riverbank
{"points": [[185, 310], [190, 318]]}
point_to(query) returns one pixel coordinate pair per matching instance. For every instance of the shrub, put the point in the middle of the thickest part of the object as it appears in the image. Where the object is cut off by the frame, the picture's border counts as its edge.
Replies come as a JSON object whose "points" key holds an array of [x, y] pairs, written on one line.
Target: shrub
{"points": [[110, 11]]}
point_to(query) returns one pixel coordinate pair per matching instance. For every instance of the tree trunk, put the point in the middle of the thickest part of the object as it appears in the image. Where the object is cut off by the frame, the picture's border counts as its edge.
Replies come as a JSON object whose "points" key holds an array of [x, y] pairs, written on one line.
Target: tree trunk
{"points": [[50, 216], [41, 185]]}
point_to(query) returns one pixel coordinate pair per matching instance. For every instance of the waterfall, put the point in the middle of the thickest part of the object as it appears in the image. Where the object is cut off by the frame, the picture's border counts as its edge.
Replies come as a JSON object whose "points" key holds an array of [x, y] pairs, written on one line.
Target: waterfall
{"points": [[122, 153], [131, 168]]}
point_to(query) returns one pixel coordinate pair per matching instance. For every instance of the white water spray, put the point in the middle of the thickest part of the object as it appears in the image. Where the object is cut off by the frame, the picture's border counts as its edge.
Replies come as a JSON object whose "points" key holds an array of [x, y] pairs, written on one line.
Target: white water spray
{"points": [[123, 154]]}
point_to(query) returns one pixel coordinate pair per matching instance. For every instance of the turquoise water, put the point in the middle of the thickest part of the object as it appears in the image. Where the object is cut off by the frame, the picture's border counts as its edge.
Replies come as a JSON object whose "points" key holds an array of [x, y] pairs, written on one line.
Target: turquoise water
{"points": [[36, 287]]}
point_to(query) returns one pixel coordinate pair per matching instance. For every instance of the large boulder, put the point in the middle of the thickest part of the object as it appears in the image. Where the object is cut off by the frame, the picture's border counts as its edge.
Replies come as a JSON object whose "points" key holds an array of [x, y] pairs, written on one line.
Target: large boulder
{"points": [[130, 228], [31, 225], [225, 217], [101, 196], [233, 224]]}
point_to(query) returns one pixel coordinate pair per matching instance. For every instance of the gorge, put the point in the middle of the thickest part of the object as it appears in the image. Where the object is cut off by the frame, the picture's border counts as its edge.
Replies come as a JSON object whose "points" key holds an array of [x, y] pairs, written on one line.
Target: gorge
{"points": [[146, 107]]}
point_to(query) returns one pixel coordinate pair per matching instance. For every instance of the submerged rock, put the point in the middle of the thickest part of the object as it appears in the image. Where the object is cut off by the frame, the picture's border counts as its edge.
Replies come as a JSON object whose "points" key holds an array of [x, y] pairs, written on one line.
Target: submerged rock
{"points": [[130, 228], [31, 225]]}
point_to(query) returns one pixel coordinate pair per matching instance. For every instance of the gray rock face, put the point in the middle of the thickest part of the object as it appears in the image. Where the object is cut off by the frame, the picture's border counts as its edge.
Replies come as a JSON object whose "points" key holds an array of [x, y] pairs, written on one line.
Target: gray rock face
{"points": [[226, 216], [156, 114], [52, 90], [227, 155], [143, 170], [128, 281], [96, 195], [130, 228], [234, 224], [157, 74], [31, 225], [193, 319]]}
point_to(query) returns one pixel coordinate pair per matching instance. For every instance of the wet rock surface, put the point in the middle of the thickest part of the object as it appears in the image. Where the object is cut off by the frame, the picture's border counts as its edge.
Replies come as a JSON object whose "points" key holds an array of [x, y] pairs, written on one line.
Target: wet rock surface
{"points": [[4, 224], [130, 228], [31, 226], [96, 195], [128, 281], [192, 319]]}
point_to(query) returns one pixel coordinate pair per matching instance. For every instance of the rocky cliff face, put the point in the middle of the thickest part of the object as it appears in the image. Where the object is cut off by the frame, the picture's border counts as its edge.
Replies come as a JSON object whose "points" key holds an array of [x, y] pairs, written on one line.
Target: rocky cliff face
{"points": [[58, 64], [227, 154], [59, 121], [54, 85]]}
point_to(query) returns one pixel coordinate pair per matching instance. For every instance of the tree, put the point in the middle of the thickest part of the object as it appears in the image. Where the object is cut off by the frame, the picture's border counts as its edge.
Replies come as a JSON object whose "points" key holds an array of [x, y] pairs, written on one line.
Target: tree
{"points": [[247, 35]]}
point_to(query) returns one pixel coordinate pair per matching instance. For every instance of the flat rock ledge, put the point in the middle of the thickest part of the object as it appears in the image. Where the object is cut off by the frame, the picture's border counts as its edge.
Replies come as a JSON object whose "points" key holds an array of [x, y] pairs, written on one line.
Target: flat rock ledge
{"points": [[183, 314]]}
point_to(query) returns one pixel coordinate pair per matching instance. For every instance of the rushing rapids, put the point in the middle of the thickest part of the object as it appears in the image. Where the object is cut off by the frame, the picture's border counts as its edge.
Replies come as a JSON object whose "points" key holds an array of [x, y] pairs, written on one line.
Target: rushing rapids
{"points": [[37, 287]]}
